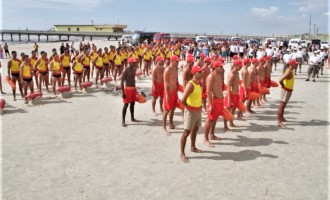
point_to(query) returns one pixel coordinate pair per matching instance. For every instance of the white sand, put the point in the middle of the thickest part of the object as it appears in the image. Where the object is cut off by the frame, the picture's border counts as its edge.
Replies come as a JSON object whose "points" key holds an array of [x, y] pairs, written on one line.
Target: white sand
{"points": [[75, 148]]}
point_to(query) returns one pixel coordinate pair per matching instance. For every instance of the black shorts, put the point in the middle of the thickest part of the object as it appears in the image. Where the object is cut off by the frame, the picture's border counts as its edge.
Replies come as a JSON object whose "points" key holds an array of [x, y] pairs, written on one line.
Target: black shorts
{"points": [[27, 79], [86, 67], [78, 73], [6, 51], [16, 75], [57, 75], [44, 73], [66, 68]]}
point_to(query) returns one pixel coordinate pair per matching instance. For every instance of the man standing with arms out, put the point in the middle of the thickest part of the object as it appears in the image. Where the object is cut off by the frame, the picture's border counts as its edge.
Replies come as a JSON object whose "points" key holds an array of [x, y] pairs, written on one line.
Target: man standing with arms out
{"points": [[13, 72], [192, 99], [245, 86], [313, 67], [253, 74], [215, 102], [171, 91], [287, 83], [65, 62], [187, 76], [129, 89], [205, 74], [157, 89], [232, 96]]}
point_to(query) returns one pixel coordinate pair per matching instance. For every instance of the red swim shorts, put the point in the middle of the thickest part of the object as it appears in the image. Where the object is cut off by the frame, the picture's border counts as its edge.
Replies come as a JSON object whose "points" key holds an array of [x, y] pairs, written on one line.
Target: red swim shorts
{"points": [[160, 90], [130, 93], [261, 83], [255, 87], [243, 93], [217, 109], [234, 101], [204, 95], [268, 81], [172, 101]]}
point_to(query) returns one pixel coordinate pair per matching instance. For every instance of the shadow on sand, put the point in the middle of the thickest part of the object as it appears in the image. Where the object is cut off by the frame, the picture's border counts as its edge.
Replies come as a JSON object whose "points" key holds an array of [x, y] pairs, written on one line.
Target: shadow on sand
{"points": [[242, 141]]}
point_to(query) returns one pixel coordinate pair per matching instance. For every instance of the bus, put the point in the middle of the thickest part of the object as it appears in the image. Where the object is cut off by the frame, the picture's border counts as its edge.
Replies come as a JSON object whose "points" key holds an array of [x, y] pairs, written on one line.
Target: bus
{"points": [[140, 37], [162, 38]]}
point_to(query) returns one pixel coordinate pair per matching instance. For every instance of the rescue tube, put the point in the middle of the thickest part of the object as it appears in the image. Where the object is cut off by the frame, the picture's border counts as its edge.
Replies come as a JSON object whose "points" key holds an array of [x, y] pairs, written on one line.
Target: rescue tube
{"points": [[224, 87], [11, 83], [106, 79], [241, 106], [2, 103], [180, 88], [66, 88], [264, 90], [140, 98], [274, 84], [253, 96], [86, 84], [180, 105], [33, 95], [227, 115]]}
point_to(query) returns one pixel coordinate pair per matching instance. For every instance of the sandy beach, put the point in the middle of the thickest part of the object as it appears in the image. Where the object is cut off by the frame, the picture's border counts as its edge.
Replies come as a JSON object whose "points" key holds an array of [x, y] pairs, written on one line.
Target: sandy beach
{"points": [[75, 148]]}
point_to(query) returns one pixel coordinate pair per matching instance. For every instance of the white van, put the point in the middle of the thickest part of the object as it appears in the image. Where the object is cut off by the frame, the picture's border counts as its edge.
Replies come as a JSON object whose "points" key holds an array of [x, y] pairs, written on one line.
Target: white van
{"points": [[202, 39], [126, 38], [294, 43]]}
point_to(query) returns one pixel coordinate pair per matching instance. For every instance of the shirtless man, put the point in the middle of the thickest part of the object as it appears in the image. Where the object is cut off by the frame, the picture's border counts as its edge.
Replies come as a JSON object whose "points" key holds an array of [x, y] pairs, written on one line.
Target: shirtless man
{"points": [[13, 72], [157, 89], [232, 96], [268, 71], [287, 83], [261, 76], [215, 102], [200, 61], [245, 87], [129, 90], [42, 66], [205, 73], [26, 76], [187, 76], [253, 75], [171, 91], [2, 92]]}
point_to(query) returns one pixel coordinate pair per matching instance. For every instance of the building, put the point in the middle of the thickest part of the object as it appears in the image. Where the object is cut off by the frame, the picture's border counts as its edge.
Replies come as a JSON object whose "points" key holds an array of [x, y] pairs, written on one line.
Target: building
{"points": [[92, 28]]}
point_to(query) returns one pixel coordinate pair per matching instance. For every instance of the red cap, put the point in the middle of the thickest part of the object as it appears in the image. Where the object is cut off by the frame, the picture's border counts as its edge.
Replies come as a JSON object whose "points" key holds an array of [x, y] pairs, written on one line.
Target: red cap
{"points": [[268, 57], [235, 57], [221, 59], [196, 68], [202, 55], [131, 60], [190, 59], [293, 62], [255, 60], [262, 59], [238, 63], [207, 59], [175, 58], [214, 56], [159, 58], [217, 64], [246, 60]]}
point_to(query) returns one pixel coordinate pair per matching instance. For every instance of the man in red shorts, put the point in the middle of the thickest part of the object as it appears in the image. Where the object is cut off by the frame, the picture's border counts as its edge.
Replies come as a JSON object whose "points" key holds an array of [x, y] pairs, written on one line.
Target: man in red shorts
{"points": [[171, 91], [215, 102], [245, 86], [129, 90], [268, 71], [232, 96], [253, 74], [157, 89], [205, 74], [261, 76]]}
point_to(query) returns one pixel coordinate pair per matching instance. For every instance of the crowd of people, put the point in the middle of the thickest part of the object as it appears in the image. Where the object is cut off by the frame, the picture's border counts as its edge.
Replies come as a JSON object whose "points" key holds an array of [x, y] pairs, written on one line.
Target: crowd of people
{"points": [[203, 82]]}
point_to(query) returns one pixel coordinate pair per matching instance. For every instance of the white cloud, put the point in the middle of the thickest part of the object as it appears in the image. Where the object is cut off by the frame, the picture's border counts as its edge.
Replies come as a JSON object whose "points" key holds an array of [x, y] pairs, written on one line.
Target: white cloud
{"points": [[264, 12], [311, 5]]}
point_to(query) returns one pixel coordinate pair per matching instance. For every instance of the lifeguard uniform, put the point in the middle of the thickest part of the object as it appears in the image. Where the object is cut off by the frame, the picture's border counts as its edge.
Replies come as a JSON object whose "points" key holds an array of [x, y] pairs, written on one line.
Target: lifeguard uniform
{"points": [[147, 56], [192, 113], [56, 72], [173, 100], [244, 92], [66, 62], [99, 63], [130, 94], [287, 88], [27, 76], [14, 68], [33, 61], [42, 68], [86, 62], [118, 60], [78, 68]]}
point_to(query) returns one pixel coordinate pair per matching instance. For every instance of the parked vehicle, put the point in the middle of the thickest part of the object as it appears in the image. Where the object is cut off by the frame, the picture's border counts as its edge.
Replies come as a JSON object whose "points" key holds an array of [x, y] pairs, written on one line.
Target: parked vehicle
{"points": [[188, 41], [175, 39], [126, 38], [316, 44], [251, 43], [202, 40], [324, 44], [220, 41], [162, 38], [294, 43], [140, 37], [305, 43], [236, 40]]}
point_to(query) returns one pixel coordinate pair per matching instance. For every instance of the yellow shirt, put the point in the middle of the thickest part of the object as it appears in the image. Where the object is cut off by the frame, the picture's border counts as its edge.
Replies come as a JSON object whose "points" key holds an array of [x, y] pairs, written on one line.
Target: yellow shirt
{"points": [[93, 55], [78, 67], [105, 57], [33, 61], [99, 62], [195, 98], [26, 71], [56, 67], [66, 61], [118, 60], [147, 56], [42, 66], [86, 61], [289, 83], [140, 51], [14, 66], [111, 54]]}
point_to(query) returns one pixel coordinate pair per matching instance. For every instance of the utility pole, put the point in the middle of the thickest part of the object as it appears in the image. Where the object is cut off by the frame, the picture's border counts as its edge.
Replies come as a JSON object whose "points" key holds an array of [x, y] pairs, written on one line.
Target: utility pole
{"points": [[310, 24]]}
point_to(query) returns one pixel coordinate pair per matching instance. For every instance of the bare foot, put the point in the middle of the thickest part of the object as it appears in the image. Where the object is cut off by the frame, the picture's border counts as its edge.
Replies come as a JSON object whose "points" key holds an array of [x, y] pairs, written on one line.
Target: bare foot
{"points": [[213, 137], [124, 124], [14, 99], [226, 129], [165, 131], [208, 143], [284, 120], [135, 120], [184, 158], [172, 126], [154, 113], [232, 125], [251, 111], [161, 110], [281, 125], [195, 150], [240, 118]]}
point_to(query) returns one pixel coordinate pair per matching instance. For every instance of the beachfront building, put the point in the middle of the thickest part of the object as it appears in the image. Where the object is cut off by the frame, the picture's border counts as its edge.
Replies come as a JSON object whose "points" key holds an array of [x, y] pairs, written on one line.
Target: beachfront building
{"points": [[109, 28]]}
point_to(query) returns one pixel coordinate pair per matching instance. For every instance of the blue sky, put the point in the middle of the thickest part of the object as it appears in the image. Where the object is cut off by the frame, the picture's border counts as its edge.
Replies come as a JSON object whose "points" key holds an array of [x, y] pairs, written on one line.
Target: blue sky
{"points": [[245, 17]]}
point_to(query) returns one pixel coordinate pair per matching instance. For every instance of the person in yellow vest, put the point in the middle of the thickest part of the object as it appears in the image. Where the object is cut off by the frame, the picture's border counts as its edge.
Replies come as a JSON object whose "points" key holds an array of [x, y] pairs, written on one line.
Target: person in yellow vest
{"points": [[54, 52], [86, 60], [147, 54], [168, 54], [124, 54], [55, 67], [33, 61], [93, 55], [36, 47], [65, 61], [26, 76], [118, 63], [106, 62], [287, 83], [140, 52], [42, 66], [78, 71], [192, 99], [111, 55], [98, 64]]}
